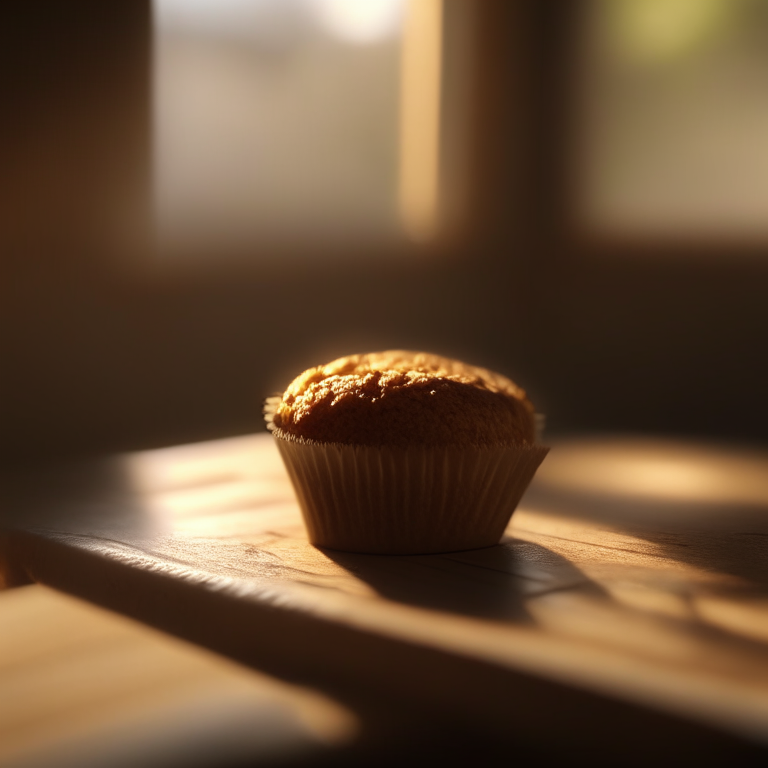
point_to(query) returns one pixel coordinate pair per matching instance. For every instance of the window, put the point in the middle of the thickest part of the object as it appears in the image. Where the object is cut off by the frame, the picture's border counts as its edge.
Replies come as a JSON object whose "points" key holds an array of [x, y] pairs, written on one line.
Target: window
{"points": [[673, 142], [295, 122]]}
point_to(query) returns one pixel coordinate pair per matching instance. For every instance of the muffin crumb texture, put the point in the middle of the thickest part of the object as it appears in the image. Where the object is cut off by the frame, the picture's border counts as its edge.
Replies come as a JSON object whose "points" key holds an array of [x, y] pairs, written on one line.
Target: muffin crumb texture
{"points": [[402, 398]]}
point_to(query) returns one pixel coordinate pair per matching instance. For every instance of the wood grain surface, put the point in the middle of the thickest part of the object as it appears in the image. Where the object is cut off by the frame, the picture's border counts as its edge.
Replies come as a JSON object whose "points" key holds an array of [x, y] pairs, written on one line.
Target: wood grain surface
{"points": [[630, 591], [83, 688]]}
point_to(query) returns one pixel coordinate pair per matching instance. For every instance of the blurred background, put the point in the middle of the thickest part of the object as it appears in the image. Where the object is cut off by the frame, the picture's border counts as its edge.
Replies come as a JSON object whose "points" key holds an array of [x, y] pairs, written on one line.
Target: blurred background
{"points": [[201, 198]]}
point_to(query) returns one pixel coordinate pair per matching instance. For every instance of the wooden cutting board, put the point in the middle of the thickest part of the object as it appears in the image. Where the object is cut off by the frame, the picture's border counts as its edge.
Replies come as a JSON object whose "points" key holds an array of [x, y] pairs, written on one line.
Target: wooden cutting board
{"points": [[630, 592]]}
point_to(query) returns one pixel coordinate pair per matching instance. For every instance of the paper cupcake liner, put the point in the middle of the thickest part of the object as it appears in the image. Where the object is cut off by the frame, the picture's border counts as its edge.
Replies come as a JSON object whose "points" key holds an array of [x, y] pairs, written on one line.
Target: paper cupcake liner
{"points": [[414, 500]]}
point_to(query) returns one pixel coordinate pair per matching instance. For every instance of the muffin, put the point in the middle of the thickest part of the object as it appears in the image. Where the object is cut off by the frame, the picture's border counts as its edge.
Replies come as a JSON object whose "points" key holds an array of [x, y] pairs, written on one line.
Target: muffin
{"points": [[405, 452]]}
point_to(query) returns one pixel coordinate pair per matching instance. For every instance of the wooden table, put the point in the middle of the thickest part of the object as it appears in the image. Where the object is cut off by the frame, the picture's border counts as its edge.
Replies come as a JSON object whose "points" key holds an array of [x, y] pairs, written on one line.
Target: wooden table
{"points": [[81, 687], [622, 620]]}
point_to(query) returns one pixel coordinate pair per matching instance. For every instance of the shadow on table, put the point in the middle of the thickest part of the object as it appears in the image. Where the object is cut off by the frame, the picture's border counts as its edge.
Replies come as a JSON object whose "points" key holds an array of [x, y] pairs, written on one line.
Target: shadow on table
{"points": [[490, 583], [727, 538], [95, 497], [696, 503]]}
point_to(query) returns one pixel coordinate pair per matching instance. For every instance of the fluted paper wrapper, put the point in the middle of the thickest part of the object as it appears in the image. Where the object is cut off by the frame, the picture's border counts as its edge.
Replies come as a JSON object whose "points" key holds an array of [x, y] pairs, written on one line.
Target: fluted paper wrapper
{"points": [[414, 500]]}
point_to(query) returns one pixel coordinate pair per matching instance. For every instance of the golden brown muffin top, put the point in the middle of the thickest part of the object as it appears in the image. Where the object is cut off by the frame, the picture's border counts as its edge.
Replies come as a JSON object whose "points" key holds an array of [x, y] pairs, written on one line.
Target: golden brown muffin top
{"points": [[404, 398]]}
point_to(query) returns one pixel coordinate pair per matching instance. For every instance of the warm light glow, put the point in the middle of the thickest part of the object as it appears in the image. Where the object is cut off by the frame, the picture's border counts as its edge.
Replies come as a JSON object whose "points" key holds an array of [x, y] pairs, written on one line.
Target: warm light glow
{"points": [[654, 30], [673, 120], [662, 469], [420, 118], [360, 21]]}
